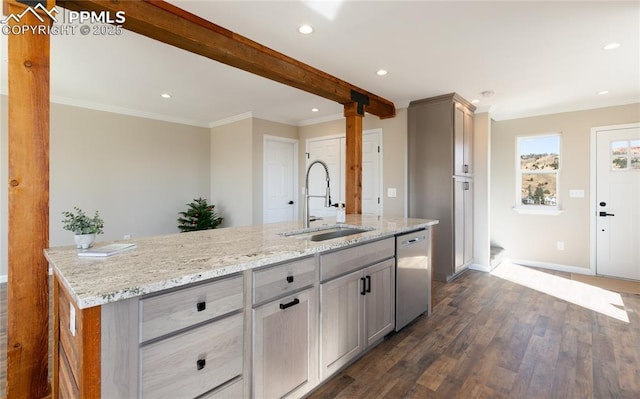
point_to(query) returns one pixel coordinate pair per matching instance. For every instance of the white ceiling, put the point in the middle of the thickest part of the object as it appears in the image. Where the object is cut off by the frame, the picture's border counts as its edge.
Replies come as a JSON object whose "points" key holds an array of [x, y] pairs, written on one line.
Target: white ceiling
{"points": [[538, 58]]}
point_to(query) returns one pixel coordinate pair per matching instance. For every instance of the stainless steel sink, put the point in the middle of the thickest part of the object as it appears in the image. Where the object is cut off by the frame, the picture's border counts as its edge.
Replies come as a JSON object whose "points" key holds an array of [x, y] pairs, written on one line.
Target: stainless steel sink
{"points": [[326, 232], [335, 234]]}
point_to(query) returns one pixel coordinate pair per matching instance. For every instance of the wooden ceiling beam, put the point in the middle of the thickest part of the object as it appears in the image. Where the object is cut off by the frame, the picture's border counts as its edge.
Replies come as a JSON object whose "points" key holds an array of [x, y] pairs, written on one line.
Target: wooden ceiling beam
{"points": [[172, 25]]}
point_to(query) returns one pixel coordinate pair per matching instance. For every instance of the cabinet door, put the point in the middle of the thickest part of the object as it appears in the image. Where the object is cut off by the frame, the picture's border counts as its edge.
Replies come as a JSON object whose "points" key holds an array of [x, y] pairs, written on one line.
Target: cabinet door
{"points": [[462, 141], [379, 300], [468, 222], [285, 353], [341, 322], [463, 223], [468, 141]]}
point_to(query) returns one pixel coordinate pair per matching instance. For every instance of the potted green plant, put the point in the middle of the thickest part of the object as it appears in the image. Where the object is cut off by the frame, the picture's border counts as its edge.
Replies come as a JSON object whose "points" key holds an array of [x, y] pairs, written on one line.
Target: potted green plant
{"points": [[83, 227], [199, 216]]}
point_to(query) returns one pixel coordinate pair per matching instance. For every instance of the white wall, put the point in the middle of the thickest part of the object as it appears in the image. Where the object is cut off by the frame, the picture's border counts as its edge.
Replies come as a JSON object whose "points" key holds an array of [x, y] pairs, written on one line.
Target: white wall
{"points": [[533, 238], [482, 188], [139, 173], [231, 172]]}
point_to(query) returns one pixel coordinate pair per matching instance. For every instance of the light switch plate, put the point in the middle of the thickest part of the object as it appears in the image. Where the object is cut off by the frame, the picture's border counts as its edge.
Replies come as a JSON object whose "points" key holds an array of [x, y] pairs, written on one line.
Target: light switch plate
{"points": [[391, 192], [576, 193]]}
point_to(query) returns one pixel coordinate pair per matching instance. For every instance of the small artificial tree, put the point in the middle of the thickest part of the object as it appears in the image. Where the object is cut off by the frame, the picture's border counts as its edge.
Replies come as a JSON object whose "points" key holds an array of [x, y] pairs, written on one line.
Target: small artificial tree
{"points": [[199, 216]]}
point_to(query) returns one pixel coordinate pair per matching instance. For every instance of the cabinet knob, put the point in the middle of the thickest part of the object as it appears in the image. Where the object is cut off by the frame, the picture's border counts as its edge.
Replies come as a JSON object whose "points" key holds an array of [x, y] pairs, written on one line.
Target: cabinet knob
{"points": [[289, 279], [201, 363], [201, 306]]}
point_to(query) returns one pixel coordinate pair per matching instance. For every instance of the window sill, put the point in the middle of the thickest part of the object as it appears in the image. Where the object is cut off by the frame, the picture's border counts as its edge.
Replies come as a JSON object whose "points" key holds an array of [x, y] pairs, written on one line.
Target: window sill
{"points": [[537, 211]]}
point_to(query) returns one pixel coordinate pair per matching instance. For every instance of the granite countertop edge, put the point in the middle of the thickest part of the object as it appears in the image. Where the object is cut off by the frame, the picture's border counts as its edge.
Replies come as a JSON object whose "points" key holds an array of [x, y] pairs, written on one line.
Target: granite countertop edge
{"points": [[165, 262]]}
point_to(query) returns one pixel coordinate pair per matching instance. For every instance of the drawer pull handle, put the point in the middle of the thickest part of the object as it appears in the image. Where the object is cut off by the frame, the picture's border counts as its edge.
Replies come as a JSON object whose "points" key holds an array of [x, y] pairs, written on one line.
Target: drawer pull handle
{"points": [[364, 286], [283, 306], [201, 363], [201, 306], [289, 279], [368, 283]]}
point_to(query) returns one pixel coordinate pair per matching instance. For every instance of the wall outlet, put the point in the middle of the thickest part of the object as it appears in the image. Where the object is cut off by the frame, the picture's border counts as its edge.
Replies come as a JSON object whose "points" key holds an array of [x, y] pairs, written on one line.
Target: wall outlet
{"points": [[72, 320], [560, 245], [392, 192]]}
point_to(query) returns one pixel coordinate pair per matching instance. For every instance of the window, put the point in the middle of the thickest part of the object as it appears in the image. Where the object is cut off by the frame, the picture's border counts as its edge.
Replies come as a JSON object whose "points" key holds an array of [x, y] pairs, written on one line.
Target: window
{"points": [[538, 160], [625, 155]]}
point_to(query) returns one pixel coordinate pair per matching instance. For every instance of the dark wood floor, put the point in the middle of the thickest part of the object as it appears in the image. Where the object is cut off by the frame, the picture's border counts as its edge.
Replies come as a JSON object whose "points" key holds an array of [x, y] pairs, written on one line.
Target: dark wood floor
{"points": [[491, 338]]}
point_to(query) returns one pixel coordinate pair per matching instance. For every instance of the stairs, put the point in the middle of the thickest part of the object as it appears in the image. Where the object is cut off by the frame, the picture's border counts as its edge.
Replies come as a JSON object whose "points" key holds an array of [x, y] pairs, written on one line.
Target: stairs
{"points": [[497, 253]]}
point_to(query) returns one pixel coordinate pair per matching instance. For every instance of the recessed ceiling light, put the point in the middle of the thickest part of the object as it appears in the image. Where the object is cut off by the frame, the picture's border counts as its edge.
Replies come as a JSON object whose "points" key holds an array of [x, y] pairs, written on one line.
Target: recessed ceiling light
{"points": [[475, 101], [488, 93], [611, 46], [603, 92], [381, 72], [305, 29], [314, 110], [165, 95]]}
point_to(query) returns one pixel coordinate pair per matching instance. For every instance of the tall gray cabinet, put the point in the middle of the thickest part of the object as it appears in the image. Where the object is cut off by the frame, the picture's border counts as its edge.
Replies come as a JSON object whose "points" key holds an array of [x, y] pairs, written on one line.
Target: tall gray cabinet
{"points": [[440, 167]]}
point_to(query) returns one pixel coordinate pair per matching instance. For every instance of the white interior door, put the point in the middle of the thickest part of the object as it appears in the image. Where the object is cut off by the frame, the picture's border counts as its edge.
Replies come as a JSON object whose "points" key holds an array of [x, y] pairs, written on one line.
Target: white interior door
{"points": [[618, 203], [280, 180], [371, 174], [332, 150]]}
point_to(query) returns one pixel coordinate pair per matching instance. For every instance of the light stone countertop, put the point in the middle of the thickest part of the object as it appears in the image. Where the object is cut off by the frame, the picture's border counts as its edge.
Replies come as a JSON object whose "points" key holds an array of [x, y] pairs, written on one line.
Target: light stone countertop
{"points": [[163, 262]]}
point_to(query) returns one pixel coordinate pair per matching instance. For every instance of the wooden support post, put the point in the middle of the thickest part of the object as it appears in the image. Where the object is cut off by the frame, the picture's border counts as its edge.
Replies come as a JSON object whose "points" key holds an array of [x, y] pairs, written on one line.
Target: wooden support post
{"points": [[353, 170], [28, 277]]}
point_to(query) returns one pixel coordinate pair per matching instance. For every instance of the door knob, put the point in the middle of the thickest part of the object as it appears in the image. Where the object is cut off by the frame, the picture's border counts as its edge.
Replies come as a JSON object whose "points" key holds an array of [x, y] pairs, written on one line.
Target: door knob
{"points": [[290, 202], [603, 204]]}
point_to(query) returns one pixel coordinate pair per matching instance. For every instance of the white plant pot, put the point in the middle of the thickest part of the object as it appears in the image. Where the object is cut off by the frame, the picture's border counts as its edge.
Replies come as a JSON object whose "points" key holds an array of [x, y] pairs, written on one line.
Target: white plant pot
{"points": [[84, 241]]}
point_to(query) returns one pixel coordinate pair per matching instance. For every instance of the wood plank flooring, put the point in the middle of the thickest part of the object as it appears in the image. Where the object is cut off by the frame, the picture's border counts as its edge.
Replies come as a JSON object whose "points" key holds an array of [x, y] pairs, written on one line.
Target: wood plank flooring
{"points": [[492, 338]]}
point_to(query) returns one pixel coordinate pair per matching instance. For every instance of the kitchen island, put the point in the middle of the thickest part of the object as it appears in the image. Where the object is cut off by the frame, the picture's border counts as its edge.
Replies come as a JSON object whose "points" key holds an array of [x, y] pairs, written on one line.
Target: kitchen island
{"points": [[207, 313]]}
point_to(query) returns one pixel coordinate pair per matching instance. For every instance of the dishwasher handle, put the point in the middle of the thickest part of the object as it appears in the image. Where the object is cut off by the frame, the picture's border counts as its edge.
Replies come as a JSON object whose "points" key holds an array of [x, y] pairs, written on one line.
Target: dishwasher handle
{"points": [[412, 241]]}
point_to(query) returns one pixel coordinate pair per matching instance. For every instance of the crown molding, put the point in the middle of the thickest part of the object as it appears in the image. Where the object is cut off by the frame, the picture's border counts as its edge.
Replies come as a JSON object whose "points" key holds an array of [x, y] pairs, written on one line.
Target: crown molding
{"points": [[231, 119]]}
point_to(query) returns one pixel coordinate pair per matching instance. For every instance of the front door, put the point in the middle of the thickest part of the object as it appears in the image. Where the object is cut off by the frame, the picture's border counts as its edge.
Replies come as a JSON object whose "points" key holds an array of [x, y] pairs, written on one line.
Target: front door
{"points": [[617, 202]]}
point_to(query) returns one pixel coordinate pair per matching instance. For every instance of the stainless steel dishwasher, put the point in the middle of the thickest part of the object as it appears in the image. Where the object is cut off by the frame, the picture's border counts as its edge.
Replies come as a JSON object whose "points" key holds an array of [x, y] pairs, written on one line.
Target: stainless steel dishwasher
{"points": [[413, 279]]}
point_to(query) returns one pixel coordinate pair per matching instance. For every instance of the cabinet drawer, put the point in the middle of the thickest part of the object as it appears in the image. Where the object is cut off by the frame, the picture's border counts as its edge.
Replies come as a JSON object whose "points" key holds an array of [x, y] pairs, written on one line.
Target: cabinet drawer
{"points": [[283, 279], [194, 362], [176, 310], [233, 390], [342, 262]]}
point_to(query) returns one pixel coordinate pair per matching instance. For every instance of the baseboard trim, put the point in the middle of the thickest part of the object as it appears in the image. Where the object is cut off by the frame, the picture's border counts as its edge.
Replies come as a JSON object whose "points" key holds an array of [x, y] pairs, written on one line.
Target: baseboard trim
{"points": [[480, 268], [552, 266]]}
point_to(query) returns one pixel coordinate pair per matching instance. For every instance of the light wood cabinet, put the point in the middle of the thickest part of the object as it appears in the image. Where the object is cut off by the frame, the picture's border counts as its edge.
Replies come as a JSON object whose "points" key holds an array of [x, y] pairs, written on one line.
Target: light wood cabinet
{"points": [[184, 342], [285, 351], [342, 317], [440, 177], [194, 362], [358, 309], [379, 304]]}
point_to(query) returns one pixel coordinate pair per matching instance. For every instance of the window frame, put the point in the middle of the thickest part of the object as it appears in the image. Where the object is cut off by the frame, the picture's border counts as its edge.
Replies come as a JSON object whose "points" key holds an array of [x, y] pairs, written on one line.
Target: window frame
{"points": [[533, 208]]}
